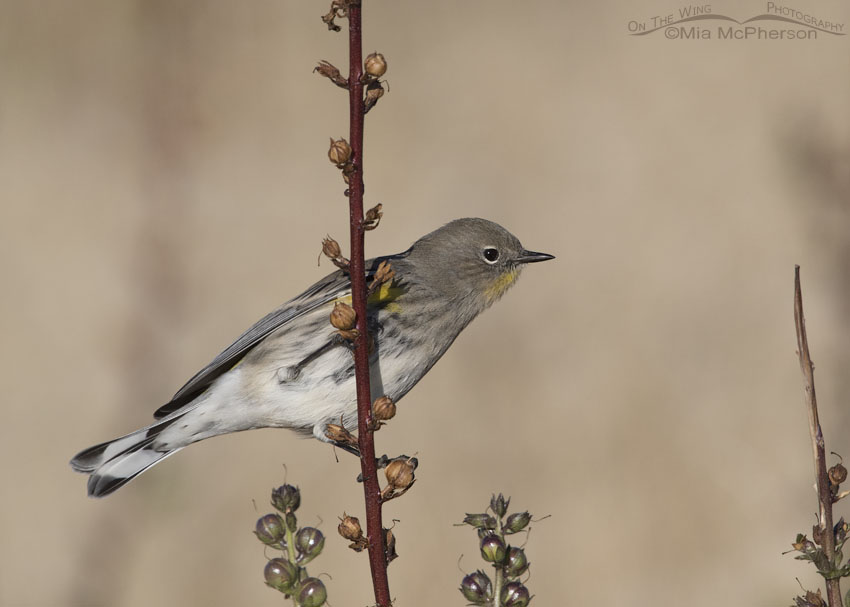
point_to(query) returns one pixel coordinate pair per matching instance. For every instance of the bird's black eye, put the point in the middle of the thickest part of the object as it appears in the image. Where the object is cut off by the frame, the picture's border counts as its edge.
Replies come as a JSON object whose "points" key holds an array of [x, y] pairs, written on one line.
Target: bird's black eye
{"points": [[491, 255]]}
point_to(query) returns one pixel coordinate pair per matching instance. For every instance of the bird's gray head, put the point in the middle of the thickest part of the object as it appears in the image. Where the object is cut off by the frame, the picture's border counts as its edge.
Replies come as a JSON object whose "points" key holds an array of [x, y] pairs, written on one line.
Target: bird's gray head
{"points": [[474, 260]]}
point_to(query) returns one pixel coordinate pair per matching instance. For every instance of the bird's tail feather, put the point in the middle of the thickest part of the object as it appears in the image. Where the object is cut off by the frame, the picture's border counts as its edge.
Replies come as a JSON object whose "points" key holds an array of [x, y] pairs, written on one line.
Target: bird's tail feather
{"points": [[113, 464]]}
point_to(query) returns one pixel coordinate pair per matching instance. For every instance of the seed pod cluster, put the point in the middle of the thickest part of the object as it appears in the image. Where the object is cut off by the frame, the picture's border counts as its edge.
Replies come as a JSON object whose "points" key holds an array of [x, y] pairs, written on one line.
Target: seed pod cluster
{"points": [[509, 563], [279, 530]]}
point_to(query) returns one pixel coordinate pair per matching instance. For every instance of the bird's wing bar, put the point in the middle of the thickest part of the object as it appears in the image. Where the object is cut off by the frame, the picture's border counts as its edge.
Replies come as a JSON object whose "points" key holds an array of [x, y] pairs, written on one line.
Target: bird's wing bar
{"points": [[327, 289]]}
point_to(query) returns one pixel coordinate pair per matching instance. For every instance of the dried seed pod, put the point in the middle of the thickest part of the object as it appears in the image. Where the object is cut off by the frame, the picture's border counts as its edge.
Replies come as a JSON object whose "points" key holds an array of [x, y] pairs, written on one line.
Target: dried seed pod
{"points": [[399, 474], [375, 65], [349, 528], [343, 316], [383, 409], [339, 152]]}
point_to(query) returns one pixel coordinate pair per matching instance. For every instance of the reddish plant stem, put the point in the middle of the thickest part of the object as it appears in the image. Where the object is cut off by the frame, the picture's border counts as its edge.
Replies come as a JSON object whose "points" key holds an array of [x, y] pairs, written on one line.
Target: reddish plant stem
{"points": [[833, 589], [366, 439]]}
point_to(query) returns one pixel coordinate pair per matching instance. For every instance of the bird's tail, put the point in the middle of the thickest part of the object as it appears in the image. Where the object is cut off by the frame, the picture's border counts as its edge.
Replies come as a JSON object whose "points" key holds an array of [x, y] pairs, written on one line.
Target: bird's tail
{"points": [[113, 464]]}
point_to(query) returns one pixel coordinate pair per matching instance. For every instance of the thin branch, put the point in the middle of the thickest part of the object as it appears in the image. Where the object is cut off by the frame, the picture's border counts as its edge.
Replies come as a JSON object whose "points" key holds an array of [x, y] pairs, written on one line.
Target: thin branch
{"points": [[827, 537], [371, 488]]}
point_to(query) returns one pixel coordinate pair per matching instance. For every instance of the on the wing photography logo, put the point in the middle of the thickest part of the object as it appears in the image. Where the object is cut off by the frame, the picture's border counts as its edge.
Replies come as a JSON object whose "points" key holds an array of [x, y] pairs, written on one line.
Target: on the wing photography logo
{"points": [[779, 21]]}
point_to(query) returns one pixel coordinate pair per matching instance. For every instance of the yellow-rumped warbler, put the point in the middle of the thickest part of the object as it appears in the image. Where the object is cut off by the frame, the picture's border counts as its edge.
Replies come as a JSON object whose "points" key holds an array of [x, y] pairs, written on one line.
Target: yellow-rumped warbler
{"points": [[290, 370]]}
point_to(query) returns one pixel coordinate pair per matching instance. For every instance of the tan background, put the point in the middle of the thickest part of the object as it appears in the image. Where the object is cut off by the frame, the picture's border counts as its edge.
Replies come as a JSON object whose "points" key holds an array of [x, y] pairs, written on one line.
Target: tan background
{"points": [[164, 183]]}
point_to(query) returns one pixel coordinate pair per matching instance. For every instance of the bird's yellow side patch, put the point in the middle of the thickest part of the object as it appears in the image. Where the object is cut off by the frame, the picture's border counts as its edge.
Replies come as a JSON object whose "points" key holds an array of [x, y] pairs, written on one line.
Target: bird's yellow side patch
{"points": [[385, 296], [498, 287]]}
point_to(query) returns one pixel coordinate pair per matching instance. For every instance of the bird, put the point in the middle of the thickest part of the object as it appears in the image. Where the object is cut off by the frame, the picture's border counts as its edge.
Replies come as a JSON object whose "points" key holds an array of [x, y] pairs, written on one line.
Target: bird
{"points": [[292, 370]]}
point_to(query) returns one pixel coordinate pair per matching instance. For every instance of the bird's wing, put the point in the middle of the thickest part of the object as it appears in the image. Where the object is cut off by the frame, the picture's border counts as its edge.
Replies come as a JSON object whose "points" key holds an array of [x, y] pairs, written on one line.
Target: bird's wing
{"points": [[331, 287]]}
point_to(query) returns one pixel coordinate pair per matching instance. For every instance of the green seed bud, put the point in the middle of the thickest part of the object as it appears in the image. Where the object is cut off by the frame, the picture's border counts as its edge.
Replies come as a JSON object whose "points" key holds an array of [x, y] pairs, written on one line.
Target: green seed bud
{"points": [[493, 549], [515, 594], [309, 542], [517, 522], [270, 529], [286, 498], [477, 588], [499, 505], [517, 563], [281, 575], [480, 521], [312, 593]]}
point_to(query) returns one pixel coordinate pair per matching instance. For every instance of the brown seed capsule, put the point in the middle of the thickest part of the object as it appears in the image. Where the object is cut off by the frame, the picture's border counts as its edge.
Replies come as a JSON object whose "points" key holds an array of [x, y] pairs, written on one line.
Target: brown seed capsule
{"points": [[330, 248], [338, 434], [349, 528], [343, 316], [339, 152], [837, 474], [383, 409], [375, 65], [399, 474]]}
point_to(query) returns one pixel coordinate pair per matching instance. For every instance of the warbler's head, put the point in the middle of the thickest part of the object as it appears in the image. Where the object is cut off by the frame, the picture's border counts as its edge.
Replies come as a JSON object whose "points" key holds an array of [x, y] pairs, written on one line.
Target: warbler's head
{"points": [[473, 260]]}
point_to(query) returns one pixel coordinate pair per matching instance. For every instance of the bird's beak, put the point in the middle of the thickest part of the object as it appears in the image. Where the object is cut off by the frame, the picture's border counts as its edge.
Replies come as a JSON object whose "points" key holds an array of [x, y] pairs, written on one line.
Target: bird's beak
{"points": [[532, 257]]}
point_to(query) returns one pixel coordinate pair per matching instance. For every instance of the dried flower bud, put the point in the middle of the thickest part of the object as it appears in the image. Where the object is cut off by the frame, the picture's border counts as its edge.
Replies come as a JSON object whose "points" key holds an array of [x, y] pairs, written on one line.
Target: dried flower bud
{"points": [[309, 542], [515, 594], [339, 434], [383, 409], [339, 152], [349, 528], [373, 217], [840, 530], [493, 549], [270, 529], [373, 92], [477, 588], [343, 316], [375, 65], [837, 474], [517, 563], [399, 474], [499, 505], [286, 498], [281, 575], [330, 72], [291, 521], [312, 593], [811, 599], [517, 522], [350, 335], [384, 272], [480, 521], [389, 545]]}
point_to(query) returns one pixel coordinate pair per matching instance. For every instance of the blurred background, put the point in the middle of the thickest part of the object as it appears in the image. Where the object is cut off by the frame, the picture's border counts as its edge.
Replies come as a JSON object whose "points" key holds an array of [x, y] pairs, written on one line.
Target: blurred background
{"points": [[164, 183]]}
